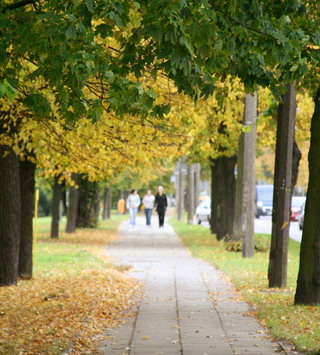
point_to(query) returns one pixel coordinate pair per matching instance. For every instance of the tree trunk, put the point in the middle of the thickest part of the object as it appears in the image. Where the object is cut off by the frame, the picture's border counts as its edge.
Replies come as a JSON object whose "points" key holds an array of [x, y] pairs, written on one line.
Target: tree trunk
{"points": [[180, 190], [72, 206], [107, 197], [27, 183], [296, 157], [10, 209], [278, 259], [190, 194], [245, 186], [96, 201], [196, 184], [222, 196], [89, 204], [64, 198], [125, 196], [239, 207], [55, 209], [109, 203], [308, 284], [214, 200]]}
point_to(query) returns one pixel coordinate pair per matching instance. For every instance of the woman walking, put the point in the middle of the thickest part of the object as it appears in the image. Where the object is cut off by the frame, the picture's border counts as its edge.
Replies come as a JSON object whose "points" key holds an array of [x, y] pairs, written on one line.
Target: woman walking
{"points": [[161, 204], [148, 203], [133, 202]]}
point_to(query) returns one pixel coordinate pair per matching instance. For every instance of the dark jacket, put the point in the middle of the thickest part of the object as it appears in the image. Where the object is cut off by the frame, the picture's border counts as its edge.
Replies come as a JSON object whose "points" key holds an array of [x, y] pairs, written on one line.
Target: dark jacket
{"points": [[161, 202]]}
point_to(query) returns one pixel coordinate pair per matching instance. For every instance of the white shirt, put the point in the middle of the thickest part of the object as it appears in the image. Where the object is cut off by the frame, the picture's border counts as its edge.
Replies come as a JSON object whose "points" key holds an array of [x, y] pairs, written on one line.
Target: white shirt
{"points": [[133, 201], [148, 201]]}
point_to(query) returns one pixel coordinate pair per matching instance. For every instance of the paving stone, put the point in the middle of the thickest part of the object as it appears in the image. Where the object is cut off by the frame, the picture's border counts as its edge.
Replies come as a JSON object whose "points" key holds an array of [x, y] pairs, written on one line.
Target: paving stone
{"points": [[188, 308]]}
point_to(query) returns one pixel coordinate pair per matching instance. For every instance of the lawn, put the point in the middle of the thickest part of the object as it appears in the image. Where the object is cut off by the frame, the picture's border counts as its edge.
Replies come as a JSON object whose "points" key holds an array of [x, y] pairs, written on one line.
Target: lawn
{"points": [[75, 294], [274, 307]]}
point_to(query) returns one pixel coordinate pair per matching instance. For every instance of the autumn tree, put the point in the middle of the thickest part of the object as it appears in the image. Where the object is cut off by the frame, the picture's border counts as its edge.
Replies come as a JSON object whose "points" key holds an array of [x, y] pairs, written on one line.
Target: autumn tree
{"points": [[262, 43], [243, 224], [73, 204], [216, 127], [308, 287]]}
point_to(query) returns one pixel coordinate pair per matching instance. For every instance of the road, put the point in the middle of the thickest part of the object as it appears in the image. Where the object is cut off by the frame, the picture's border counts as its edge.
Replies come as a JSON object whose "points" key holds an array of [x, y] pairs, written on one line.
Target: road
{"points": [[264, 225]]}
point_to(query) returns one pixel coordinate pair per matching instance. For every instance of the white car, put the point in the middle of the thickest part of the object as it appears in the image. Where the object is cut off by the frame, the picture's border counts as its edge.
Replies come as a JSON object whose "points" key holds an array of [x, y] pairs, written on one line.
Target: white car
{"points": [[203, 211]]}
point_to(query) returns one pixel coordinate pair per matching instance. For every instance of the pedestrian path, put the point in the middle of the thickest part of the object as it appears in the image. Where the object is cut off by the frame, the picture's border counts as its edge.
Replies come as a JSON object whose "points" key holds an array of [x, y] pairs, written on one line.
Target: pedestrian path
{"points": [[188, 307]]}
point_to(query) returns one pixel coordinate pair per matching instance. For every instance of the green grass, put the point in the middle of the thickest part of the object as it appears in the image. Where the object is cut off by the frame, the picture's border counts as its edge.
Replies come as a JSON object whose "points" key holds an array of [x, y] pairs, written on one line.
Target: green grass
{"points": [[67, 253], [52, 257], [275, 309]]}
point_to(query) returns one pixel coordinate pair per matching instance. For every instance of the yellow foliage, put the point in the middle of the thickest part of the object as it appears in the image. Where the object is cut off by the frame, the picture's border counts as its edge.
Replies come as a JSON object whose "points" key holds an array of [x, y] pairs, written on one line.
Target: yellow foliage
{"points": [[99, 149], [214, 125], [58, 311]]}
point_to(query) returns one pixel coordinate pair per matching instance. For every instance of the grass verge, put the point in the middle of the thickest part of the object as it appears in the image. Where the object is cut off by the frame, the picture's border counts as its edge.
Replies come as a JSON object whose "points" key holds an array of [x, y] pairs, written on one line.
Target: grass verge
{"points": [[74, 295], [274, 307]]}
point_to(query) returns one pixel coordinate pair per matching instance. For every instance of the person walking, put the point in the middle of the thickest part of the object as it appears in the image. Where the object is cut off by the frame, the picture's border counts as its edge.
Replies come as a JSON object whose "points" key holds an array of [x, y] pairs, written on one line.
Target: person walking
{"points": [[160, 205], [133, 202], [148, 203]]}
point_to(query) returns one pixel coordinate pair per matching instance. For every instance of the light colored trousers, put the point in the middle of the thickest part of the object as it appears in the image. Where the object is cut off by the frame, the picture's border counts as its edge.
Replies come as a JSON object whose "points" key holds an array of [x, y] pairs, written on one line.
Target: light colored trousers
{"points": [[133, 214]]}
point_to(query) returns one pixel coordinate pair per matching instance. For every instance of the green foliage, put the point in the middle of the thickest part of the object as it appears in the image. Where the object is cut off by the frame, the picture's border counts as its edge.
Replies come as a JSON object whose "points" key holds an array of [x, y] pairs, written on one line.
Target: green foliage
{"points": [[71, 46], [38, 104], [7, 90]]}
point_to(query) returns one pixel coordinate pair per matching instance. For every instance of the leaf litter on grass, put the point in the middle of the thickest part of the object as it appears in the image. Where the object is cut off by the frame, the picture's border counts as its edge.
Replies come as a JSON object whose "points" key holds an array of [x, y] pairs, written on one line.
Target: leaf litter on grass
{"points": [[65, 310]]}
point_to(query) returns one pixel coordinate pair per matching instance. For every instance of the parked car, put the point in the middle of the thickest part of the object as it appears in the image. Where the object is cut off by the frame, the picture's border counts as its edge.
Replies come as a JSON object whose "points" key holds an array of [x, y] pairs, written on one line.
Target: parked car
{"points": [[301, 216], [264, 198], [297, 203], [203, 211]]}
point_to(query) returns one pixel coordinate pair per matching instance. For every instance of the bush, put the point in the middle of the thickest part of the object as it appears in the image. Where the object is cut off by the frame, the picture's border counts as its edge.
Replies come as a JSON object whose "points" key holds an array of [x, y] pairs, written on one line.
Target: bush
{"points": [[236, 246]]}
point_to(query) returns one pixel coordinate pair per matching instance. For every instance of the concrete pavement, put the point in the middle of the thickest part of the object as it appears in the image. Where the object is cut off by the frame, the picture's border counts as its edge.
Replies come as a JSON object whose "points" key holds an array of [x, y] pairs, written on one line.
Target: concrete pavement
{"points": [[188, 307]]}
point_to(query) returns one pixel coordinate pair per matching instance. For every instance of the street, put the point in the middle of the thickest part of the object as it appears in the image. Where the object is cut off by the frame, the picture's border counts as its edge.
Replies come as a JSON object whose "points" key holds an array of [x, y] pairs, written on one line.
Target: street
{"points": [[264, 225]]}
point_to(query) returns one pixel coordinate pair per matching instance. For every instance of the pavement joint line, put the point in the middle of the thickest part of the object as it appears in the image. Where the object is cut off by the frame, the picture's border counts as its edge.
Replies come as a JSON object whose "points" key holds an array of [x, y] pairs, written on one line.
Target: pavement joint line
{"points": [[229, 341], [177, 310]]}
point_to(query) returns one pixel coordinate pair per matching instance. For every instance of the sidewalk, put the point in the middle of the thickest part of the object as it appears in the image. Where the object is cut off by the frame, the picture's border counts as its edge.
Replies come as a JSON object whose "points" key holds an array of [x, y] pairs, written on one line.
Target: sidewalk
{"points": [[188, 308]]}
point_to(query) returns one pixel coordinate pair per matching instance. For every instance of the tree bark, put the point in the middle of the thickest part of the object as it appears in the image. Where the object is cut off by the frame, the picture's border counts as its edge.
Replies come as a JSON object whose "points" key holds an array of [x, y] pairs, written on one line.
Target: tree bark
{"points": [[180, 190], [308, 284], [10, 209], [190, 195], [197, 168], [296, 157], [107, 197], [277, 273], [222, 196], [27, 183], [109, 203], [88, 207], [55, 209], [125, 196], [96, 201], [72, 206], [245, 186], [239, 208], [64, 198]]}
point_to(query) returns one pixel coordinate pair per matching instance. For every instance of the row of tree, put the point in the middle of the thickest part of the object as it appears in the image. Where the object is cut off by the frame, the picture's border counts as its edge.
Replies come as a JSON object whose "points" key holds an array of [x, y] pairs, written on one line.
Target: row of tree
{"points": [[77, 81]]}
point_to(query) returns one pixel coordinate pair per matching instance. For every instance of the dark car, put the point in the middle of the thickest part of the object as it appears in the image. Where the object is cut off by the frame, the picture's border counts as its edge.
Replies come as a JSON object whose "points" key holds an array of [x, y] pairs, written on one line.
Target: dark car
{"points": [[264, 198]]}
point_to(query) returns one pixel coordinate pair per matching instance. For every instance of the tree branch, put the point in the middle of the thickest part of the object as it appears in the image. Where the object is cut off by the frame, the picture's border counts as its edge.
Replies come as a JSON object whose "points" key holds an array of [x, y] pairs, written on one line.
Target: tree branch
{"points": [[18, 4], [241, 23]]}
